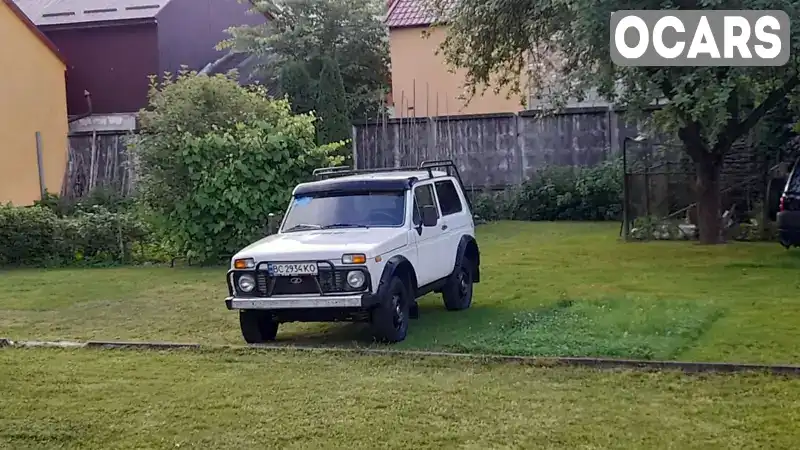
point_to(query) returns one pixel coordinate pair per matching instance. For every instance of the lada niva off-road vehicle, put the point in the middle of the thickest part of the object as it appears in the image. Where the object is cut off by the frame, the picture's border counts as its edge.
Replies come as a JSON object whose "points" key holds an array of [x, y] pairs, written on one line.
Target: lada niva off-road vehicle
{"points": [[360, 245]]}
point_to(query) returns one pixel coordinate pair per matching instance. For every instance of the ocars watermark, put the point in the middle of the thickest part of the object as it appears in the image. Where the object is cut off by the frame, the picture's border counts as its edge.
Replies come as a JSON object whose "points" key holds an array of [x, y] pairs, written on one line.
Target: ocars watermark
{"points": [[700, 38]]}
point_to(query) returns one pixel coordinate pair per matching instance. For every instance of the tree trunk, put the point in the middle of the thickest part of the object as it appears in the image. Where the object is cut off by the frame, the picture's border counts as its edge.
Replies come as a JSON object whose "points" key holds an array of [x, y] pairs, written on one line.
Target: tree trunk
{"points": [[709, 220]]}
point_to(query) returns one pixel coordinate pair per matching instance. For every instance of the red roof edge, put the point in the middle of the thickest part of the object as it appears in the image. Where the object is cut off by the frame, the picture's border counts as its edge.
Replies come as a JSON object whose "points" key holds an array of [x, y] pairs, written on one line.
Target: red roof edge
{"points": [[391, 4], [35, 30], [421, 19]]}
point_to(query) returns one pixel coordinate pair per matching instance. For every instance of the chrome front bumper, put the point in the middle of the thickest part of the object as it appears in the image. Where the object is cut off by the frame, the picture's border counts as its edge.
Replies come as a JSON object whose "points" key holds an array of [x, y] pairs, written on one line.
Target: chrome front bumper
{"points": [[297, 302]]}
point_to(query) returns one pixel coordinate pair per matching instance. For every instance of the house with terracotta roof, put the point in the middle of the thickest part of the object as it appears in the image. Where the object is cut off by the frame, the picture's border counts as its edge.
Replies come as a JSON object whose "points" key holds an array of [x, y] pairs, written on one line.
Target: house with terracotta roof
{"points": [[422, 84], [33, 110]]}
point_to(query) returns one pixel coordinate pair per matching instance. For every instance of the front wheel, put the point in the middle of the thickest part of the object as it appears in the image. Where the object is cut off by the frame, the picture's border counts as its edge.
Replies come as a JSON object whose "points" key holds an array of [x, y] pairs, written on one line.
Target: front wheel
{"points": [[258, 326], [457, 293], [389, 319]]}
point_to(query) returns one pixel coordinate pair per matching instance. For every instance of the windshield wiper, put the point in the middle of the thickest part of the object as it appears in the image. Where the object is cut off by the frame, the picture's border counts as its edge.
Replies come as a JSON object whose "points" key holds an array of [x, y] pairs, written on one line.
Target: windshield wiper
{"points": [[344, 225], [304, 226]]}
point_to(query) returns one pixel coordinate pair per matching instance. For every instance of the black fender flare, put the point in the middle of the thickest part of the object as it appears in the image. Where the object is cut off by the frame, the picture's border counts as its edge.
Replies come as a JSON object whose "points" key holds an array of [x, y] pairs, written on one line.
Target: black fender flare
{"points": [[469, 242], [395, 265]]}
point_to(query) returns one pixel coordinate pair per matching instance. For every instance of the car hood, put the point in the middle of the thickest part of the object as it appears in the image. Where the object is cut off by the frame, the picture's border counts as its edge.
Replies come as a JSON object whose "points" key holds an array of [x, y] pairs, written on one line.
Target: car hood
{"points": [[325, 244]]}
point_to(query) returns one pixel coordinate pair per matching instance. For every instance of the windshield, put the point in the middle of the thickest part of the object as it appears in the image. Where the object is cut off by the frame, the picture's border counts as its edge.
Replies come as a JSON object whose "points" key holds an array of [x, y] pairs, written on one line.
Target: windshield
{"points": [[353, 210]]}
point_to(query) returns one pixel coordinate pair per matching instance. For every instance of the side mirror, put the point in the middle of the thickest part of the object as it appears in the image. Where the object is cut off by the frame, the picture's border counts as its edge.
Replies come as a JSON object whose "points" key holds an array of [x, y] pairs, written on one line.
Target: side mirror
{"points": [[429, 216]]}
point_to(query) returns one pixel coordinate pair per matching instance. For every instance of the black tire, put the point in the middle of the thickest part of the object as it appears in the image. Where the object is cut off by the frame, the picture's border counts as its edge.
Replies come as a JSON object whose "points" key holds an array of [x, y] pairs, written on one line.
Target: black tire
{"points": [[389, 319], [258, 326], [457, 293]]}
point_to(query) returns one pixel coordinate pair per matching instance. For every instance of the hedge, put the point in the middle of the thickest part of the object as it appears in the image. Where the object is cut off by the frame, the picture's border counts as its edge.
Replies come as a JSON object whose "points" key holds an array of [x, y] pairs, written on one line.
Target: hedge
{"points": [[558, 193], [37, 236]]}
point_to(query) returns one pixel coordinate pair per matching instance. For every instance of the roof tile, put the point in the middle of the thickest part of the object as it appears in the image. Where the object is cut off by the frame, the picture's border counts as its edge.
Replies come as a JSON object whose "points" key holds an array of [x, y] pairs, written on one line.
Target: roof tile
{"points": [[413, 13]]}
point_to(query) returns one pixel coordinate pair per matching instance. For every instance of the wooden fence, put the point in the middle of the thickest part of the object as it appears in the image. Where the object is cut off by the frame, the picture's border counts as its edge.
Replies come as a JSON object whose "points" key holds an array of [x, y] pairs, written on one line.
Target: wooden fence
{"points": [[494, 150], [98, 160]]}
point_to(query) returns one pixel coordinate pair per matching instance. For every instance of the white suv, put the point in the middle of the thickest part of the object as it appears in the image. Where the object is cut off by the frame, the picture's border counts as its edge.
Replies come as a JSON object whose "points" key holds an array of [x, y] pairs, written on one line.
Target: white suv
{"points": [[360, 245]]}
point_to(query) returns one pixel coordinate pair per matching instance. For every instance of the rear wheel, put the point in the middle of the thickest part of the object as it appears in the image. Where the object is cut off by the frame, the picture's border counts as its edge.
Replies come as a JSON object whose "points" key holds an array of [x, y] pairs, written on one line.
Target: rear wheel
{"points": [[389, 319], [258, 326], [457, 293]]}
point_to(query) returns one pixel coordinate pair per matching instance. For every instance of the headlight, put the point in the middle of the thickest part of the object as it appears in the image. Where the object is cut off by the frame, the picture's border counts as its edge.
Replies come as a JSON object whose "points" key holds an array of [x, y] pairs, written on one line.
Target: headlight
{"points": [[356, 279], [247, 283]]}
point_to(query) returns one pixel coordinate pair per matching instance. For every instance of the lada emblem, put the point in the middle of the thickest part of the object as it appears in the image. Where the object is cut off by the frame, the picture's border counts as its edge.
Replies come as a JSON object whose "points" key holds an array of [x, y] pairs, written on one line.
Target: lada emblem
{"points": [[295, 280]]}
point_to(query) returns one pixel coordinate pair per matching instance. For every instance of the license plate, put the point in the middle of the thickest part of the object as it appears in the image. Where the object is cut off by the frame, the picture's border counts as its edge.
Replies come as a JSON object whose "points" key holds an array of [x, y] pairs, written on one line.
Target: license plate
{"points": [[289, 269]]}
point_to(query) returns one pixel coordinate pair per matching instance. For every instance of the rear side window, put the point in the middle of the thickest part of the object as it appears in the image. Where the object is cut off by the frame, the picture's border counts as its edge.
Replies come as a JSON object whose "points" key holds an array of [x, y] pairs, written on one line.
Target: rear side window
{"points": [[449, 200], [423, 196], [793, 184]]}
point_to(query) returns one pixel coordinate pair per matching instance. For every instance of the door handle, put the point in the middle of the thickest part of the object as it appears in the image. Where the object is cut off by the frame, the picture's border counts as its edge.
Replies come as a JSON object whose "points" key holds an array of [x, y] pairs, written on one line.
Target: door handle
{"points": [[444, 227]]}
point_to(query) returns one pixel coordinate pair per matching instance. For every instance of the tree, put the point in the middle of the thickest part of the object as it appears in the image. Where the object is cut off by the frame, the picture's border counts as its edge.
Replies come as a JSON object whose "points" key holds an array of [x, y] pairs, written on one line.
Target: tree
{"points": [[567, 45], [334, 126], [309, 31], [295, 83]]}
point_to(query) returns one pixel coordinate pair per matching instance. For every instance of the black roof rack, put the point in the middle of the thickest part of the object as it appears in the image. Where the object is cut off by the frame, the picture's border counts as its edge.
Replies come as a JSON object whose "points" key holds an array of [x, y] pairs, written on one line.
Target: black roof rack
{"points": [[448, 165]]}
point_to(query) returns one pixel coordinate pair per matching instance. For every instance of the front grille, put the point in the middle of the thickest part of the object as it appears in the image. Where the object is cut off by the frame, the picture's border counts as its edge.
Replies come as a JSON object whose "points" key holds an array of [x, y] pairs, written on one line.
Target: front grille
{"points": [[330, 281], [333, 281], [295, 285]]}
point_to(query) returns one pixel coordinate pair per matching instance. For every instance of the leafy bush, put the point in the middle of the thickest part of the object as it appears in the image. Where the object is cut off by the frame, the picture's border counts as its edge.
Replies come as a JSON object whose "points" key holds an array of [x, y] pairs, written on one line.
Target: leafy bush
{"points": [[104, 197], [36, 236], [104, 236], [559, 193], [31, 236], [215, 159]]}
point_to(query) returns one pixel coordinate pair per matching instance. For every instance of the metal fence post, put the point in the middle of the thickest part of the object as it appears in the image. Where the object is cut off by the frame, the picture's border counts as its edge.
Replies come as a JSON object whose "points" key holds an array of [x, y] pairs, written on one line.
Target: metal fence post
{"points": [[355, 146], [625, 191], [40, 163]]}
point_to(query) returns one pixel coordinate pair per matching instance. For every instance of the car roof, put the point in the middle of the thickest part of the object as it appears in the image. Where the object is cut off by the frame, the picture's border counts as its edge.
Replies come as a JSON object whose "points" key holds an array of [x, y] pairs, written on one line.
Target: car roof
{"points": [[375, 181]]}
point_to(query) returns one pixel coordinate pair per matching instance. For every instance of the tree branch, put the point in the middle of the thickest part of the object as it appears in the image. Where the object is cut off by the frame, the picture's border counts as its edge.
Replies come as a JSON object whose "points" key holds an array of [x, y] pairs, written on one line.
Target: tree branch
{"points": [[693, 142], [666, 87], [735, 129]]}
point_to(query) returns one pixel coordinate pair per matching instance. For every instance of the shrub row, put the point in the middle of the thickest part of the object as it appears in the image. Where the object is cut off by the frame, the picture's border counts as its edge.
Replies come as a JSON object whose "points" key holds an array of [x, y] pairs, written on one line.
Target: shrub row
{"points": [[558, 193], [104, 197], [37, 236]]}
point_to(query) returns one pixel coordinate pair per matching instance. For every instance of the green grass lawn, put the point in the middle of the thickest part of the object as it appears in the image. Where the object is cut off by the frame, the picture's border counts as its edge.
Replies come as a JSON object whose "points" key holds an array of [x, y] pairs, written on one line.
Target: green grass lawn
{"points": [[567, 289], [283, 399]]}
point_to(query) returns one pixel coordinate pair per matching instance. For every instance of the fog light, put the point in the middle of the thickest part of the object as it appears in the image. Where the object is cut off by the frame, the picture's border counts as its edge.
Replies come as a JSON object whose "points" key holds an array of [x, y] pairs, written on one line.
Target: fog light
{"points": [[247, 283], [356, 279]]}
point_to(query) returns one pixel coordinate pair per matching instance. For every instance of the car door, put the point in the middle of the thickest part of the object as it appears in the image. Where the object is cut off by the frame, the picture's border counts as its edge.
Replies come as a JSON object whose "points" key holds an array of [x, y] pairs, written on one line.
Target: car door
{"points": [[455, 219], [429, 242]]}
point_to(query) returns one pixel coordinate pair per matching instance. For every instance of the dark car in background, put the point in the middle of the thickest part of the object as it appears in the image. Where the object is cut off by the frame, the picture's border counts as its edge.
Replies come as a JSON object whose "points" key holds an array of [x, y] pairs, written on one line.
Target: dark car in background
{"points": [[789, 210]]}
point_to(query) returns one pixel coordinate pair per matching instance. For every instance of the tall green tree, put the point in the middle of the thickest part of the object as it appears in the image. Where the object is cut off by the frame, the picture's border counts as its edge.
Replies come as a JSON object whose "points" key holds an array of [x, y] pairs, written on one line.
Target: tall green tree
{"points": [[296, 83], [566, 44], [334, 125], [309, 31]]}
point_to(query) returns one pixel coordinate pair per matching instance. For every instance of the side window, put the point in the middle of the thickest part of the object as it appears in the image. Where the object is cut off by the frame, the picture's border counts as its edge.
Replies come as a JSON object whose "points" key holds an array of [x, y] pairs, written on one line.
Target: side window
{"points": [[793, 184], [423, 196], [449, 200]]}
